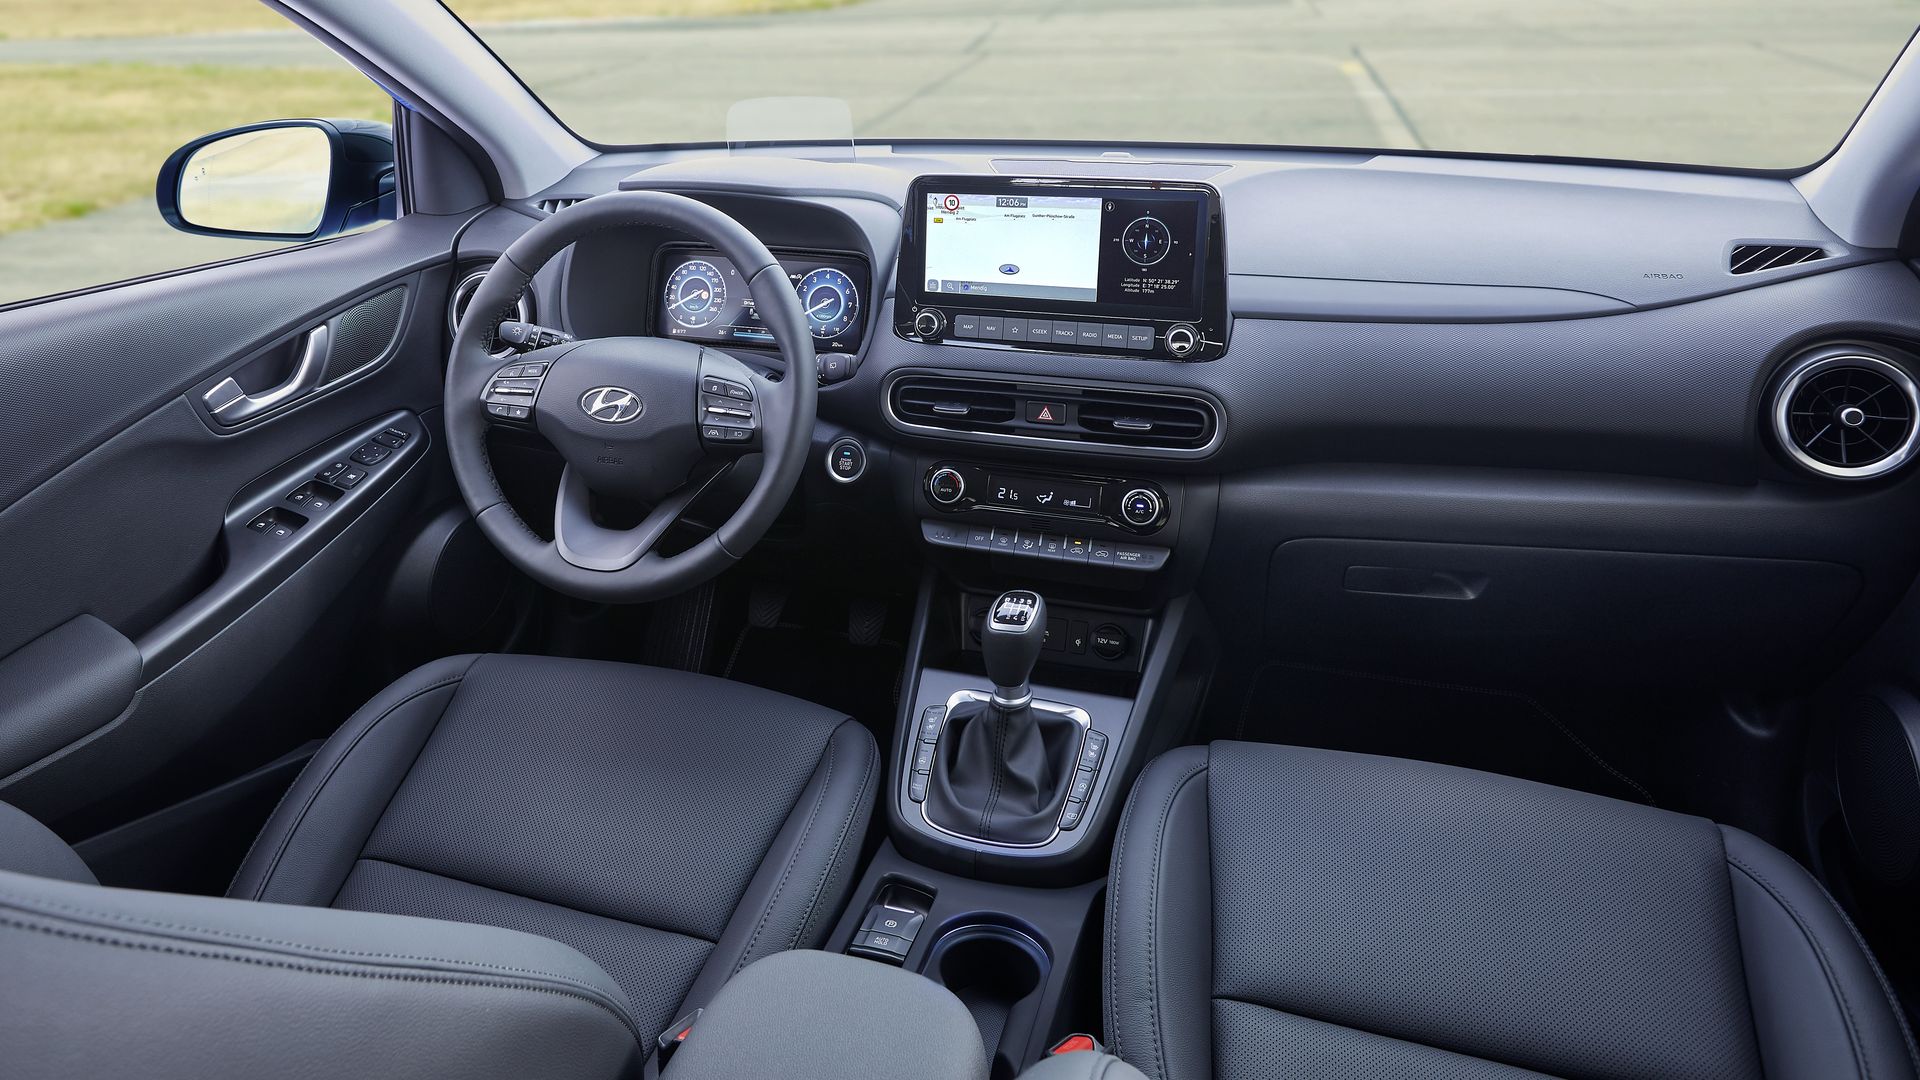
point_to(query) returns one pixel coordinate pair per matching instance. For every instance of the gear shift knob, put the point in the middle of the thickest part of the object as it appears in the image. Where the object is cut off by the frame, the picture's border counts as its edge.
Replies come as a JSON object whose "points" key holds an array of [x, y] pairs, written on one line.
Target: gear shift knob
{"points": [[1016, 627]]}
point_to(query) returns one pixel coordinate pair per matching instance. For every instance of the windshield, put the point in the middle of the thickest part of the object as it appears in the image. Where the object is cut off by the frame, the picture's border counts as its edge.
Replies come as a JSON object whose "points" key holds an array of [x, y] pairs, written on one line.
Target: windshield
{"points": [[1745, 83]]}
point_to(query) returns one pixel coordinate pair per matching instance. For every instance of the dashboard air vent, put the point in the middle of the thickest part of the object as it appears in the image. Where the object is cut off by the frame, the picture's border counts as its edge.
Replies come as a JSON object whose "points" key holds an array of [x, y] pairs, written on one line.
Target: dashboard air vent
{"points": [[1149, 421], [558, 203], [462, 295], [1846, 413], [1753, 258]]}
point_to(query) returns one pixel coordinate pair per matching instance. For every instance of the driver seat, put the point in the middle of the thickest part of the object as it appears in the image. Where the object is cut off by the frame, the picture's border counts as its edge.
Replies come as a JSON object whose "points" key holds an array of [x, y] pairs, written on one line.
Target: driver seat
{"points": [[671, 827]]}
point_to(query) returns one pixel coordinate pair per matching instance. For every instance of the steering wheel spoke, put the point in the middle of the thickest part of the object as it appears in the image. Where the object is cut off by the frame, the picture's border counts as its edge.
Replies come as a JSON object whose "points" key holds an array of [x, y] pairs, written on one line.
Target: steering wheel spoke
{"points": [[589, 545]]}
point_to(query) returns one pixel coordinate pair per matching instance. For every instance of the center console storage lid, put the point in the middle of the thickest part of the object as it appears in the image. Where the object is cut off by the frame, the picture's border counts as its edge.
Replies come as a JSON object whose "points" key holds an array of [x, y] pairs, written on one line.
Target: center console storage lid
{"points": [[822, 1016]]}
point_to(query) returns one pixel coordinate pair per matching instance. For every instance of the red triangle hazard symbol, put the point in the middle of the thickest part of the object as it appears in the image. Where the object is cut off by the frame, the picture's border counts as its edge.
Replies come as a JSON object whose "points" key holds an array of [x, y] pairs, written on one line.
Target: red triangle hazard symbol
{"points": [[1046, 414]]}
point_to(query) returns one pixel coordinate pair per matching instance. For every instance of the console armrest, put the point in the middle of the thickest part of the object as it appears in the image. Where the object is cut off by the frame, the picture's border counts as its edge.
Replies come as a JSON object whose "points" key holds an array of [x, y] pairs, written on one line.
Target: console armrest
{"points": [[822, 1016], [1085, 1065]]}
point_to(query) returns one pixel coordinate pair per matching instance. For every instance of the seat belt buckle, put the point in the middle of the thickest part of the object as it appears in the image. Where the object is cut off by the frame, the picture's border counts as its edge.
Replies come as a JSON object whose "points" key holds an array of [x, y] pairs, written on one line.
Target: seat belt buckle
{"points": [[671, 1038], [1077, 1043]]}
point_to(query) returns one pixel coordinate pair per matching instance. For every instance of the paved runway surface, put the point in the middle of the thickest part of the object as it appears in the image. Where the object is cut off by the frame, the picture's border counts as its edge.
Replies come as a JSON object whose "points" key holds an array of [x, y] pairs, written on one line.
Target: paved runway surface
{"points": [[1770, 83]]}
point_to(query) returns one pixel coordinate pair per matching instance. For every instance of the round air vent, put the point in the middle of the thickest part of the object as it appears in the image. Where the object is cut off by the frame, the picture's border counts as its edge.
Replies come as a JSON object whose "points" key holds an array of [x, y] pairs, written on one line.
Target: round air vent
{"points": [[462, 295], [1847, 414]]}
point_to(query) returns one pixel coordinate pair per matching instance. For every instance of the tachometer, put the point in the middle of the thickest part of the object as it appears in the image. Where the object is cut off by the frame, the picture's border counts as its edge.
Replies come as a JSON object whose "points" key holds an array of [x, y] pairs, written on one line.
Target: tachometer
{"points": [[831, 302], [1146, 241], [696, 292]]}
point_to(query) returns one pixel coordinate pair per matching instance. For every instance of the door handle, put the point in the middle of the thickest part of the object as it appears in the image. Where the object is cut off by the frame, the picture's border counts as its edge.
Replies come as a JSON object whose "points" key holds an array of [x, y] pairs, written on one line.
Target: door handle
{"points": [[231, 405]]}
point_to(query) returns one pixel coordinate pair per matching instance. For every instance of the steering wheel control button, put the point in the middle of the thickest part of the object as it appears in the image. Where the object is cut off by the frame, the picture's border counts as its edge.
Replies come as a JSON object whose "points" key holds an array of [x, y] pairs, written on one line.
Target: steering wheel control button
{"points": [[1140, 507], [946, 486], [1046, 412], [846, 460]]}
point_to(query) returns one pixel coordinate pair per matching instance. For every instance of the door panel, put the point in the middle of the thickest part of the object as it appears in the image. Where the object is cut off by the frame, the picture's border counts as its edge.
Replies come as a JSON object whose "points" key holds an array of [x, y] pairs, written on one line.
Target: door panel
{"points": [[124, 498]]}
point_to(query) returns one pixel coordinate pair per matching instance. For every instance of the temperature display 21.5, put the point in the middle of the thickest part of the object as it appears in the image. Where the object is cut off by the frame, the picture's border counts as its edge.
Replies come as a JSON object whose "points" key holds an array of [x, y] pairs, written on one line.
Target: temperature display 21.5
{"points": [[1041, 495]]}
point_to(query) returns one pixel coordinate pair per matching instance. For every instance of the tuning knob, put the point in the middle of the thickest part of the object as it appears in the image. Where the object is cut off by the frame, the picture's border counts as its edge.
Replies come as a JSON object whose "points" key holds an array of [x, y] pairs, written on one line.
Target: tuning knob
{"points": [[1182, 339], [930, 324]]}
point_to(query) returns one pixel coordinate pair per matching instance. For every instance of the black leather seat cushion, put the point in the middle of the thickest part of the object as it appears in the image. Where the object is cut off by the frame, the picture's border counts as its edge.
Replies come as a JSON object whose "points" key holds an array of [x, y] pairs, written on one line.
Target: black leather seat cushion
{"points": [[1277, 911], [671, 827]]}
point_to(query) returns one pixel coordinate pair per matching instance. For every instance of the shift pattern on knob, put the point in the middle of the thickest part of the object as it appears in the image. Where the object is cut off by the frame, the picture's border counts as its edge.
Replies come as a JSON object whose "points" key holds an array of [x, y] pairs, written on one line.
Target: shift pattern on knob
{"points": [[1016, 628]]}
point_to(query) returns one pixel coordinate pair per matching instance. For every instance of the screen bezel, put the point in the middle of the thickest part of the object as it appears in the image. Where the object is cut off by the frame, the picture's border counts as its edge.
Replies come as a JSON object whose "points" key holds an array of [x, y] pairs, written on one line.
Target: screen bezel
{"points": [[911, 276]]}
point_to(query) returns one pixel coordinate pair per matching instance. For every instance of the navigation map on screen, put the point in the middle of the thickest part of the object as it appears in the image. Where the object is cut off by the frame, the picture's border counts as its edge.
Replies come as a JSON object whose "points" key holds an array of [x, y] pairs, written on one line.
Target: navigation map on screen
{"points": [[1043, 247]]}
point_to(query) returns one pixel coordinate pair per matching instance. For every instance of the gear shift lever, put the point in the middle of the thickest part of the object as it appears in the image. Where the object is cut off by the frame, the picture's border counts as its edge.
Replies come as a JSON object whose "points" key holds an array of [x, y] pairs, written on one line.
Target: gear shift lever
{"points": [[1016, 627], [1003, 768]]}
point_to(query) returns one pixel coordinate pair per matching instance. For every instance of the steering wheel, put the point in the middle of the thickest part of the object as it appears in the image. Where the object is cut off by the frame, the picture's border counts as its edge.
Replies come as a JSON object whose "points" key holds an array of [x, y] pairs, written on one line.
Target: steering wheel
{"points": [[640, 418]]}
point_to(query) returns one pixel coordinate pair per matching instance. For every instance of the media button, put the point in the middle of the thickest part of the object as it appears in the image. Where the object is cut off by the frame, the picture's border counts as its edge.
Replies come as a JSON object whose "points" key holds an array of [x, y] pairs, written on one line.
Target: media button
{"points": [[966, 326], [1140, 337], [1039, 330], [990, 329], [1112, 336], [1012, 329], [1066, 333]]}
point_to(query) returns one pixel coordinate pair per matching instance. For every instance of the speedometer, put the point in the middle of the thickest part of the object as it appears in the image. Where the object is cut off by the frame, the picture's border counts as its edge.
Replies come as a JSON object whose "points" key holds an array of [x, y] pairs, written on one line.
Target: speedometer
{"points": [[696, 292], [831, 302]]}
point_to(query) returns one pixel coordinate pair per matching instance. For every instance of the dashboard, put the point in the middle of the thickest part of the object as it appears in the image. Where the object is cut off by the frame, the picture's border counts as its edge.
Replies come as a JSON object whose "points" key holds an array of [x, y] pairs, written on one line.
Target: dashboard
{"points": [[700, 296]]}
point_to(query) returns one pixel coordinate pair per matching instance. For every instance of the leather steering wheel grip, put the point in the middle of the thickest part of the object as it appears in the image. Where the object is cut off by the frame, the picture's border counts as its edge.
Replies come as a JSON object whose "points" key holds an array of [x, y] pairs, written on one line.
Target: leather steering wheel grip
{"points": [[787, 408]]}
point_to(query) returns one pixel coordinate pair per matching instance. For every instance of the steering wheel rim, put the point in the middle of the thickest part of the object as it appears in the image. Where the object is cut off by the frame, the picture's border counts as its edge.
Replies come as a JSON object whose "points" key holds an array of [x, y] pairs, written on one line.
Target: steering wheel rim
{"points": [[640, 453]]}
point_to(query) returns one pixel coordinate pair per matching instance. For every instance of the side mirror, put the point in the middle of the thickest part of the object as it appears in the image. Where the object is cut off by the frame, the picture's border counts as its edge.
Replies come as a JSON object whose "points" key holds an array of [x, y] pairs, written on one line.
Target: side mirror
{"points": [[281, 180]]}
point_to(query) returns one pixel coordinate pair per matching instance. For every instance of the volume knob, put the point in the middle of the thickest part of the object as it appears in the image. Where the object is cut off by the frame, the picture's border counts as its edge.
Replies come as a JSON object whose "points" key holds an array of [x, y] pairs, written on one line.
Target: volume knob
{"points": [[1182, 339], [930, 324]]}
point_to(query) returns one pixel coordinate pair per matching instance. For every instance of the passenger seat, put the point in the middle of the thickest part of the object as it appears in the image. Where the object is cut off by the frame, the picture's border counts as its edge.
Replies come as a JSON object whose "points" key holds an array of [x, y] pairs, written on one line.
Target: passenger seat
{"points": [[1276, 911]]}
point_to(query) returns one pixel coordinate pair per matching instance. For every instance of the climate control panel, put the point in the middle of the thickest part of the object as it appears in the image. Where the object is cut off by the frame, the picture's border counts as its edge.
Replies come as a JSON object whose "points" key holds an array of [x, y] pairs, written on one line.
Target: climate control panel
{"points": [[1136, 506]]}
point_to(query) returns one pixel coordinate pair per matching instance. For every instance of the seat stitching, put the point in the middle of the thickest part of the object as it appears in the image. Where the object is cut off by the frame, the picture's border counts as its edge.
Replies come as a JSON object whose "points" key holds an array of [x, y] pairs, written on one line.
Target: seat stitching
{"points": [[1826, 969], [1113, 921], [41, 906], [447, 979], [529, 898], [839, 843], [1153, 904], [766, 913], [286, 840]]}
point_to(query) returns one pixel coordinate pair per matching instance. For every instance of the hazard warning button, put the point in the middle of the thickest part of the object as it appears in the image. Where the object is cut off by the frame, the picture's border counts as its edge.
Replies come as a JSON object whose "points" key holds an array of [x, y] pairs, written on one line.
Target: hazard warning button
{"points": [[1046, 412]]}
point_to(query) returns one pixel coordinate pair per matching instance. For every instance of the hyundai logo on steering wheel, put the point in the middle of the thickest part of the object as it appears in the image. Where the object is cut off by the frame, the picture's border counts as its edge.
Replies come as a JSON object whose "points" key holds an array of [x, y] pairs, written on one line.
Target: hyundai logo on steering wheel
{"points": [[611, 404]]}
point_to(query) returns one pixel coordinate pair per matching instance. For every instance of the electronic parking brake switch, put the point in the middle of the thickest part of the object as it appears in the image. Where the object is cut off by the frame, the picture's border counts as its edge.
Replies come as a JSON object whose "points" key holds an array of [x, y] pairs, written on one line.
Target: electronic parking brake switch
{"points": [[892, 923]]}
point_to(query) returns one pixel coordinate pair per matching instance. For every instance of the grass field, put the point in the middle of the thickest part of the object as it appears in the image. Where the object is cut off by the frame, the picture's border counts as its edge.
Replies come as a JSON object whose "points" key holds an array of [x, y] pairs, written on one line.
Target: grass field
{"points": [[31, 19], [89, 136]]}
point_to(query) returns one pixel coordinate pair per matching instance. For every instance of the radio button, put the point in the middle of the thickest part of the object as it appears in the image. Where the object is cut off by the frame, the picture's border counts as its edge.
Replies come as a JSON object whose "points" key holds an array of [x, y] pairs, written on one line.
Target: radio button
{"points": [[1091, 334], [1039, 330], [1140, 337]]}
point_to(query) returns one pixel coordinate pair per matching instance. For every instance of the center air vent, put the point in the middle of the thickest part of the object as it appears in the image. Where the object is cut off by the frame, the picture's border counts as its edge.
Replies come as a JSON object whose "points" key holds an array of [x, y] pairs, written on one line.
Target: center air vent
{"points": [[462, 295], [1753, 258], [1141, 421], [1845, 413]]}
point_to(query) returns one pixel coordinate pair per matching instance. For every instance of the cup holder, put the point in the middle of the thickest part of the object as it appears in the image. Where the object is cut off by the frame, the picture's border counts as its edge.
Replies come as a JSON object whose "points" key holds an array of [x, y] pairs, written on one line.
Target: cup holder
{"points": [[992, 969]]}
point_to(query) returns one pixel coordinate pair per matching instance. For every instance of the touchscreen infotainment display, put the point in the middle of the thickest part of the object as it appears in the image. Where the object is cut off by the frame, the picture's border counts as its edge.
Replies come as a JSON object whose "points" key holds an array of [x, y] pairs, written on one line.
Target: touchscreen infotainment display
{"points": [[1109, 250]]}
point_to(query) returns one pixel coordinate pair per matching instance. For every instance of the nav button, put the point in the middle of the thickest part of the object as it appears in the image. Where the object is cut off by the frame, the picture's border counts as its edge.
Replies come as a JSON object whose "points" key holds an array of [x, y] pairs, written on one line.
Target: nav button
{"points": [[989, 328]]}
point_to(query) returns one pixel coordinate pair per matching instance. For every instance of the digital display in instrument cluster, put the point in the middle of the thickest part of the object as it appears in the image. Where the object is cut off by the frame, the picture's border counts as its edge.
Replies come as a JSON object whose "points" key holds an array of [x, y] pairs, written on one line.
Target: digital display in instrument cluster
{"points": [[703, 298]]}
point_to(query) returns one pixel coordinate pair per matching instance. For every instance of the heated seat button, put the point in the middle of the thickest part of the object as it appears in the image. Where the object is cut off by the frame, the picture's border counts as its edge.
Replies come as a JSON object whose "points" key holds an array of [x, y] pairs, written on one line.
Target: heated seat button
{"points": [[1046, 412]]}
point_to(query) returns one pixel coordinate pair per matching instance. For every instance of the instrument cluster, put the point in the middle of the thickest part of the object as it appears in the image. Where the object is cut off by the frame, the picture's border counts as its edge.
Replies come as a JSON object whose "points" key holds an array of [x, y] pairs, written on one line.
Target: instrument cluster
{"points": [[702, 297]]}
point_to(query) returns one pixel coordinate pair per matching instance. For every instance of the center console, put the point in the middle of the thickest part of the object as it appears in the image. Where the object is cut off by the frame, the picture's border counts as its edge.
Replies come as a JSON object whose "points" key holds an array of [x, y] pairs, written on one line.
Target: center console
{"points": [[1124, 269]]}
